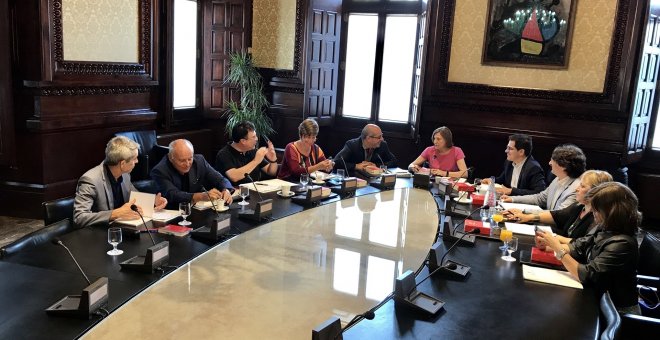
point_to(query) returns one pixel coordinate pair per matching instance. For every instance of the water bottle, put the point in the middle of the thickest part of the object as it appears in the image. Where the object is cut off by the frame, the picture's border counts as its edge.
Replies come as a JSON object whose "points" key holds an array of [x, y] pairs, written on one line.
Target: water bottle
{"points": [[491, 195]]}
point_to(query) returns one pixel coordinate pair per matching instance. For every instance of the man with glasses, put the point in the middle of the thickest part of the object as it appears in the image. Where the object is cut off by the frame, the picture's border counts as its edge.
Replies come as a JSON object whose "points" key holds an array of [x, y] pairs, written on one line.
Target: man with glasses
{"points": [[242, 156], [370, 149], [522, 174]]}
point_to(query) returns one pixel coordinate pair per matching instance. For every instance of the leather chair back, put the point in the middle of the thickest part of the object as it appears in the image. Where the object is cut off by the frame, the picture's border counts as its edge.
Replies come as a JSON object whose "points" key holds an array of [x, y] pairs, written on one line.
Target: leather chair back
{"points": [[649, 255], [38, 237], [58, 210], [610, 318], [146, 139]]}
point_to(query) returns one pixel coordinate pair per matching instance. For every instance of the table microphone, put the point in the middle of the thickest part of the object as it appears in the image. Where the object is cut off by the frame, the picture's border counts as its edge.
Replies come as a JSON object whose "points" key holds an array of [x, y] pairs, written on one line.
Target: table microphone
{"points": [[210, 199], [217, 229], [344, 162], [468, 216], [57, 241], [88, 302], [382, 163], [135, 208], [247, 175], [369, 315], [453, 184], [449, 266]]}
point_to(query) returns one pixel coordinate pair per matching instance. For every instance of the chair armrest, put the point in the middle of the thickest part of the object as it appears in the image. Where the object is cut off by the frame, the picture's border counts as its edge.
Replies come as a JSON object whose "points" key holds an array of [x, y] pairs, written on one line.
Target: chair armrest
{"points": [[651, 281]]}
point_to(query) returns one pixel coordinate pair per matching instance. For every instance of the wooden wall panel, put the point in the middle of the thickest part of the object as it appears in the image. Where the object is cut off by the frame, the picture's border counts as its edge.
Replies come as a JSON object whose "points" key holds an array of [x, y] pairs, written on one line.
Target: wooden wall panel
{"points": [[7, 143]]}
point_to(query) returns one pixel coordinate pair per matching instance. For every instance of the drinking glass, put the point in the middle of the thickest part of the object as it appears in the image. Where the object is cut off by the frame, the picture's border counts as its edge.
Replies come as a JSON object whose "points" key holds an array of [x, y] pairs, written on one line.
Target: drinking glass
{"points": [[484, 214], [505, 236], [383, 168], [513, 246], [184, 210], [114, 238], [304, 179], [245, 192], [341, 173]]}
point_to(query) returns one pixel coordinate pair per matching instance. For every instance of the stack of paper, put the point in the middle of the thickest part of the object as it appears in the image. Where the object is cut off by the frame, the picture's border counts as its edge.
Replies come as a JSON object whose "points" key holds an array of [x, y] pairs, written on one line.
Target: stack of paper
{"points": [[271, 185], [165, 215], [527, 208], [551, 276], [524, 229]]}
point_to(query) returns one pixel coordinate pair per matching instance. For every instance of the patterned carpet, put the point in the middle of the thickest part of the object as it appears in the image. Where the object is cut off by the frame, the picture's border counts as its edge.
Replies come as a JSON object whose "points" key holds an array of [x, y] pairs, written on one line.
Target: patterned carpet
{"points": [[13, 228]]}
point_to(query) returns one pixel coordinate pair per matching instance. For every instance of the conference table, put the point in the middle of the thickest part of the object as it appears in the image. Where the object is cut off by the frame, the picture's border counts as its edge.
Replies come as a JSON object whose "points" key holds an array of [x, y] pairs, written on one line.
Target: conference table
{"points": [[282, 278]]}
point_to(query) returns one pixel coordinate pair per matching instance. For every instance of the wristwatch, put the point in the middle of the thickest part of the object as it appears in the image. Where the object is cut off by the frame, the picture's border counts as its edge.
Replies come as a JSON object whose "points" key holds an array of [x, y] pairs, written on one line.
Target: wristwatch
{"points": [[559, 255]]}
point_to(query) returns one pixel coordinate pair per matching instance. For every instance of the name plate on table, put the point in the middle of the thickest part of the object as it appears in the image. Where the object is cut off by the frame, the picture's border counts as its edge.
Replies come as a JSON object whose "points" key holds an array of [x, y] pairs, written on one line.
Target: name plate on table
{"points": [[262, 210], [313, 195], [386, 182], [156, 256]]}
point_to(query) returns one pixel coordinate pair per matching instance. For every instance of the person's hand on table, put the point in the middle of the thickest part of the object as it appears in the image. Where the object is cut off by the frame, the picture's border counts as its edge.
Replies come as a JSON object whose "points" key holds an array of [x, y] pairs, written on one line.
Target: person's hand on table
{"points": [[160, 202], [125, 212], [503, 190], [226, 196], [506, 198]]}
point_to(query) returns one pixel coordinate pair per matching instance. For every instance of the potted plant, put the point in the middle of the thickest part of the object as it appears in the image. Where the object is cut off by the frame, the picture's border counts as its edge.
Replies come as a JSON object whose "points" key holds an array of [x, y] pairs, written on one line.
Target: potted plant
{"points": [[253, 105]]}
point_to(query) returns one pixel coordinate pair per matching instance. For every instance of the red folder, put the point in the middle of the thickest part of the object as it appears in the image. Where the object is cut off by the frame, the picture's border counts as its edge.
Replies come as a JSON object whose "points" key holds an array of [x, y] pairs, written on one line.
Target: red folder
{"points": [[464, 187], [472, 224], [548, 257], [477, 199]]}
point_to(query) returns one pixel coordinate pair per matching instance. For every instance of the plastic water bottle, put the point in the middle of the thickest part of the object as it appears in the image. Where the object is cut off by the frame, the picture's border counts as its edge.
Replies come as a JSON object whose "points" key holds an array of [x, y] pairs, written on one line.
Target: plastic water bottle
{"points": [[491, 195]]}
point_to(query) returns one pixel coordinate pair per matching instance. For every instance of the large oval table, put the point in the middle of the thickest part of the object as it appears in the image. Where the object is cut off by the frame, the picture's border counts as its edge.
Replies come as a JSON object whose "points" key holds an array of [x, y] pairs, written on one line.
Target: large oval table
{"points": [[280, 280]]}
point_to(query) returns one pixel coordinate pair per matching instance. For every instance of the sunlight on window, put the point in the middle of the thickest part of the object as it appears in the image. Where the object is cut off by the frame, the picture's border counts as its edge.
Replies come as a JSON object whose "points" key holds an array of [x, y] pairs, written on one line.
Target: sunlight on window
{"points": [[380, 278], [185, 53], [360, 58], [346, 273], [398, 63]]}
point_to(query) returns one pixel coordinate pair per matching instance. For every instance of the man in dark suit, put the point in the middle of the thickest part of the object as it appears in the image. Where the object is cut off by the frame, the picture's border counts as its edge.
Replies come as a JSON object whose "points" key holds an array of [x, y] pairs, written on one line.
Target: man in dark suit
{"points": [[522, 174], [370, 149], [183, 177]]}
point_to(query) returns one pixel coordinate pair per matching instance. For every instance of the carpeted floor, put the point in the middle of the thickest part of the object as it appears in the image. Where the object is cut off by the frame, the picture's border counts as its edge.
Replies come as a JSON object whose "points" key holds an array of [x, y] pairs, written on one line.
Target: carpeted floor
{"points": [[13, 228]]}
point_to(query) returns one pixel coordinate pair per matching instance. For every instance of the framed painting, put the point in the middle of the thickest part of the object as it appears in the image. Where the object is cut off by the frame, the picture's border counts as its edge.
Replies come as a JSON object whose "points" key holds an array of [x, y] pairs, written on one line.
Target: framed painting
{"points": [[528, 33]]}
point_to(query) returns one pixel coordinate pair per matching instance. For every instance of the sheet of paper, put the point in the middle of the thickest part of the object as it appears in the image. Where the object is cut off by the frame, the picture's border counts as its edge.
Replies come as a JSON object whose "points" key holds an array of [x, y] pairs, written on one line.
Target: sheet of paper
{"points": [[145, 201], [524, 229], [526, 207], [165, 215], [551, 276], [271, 185], [203, 205], [136, 222]]}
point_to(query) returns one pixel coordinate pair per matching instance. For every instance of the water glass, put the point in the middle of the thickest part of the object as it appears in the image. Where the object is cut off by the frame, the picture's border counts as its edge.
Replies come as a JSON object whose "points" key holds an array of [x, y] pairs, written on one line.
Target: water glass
{"points": [[184, 210], [513, 246], [483, 213], [245, 192], [341, 173], [383, 168], [304, 179], [114, 238]]}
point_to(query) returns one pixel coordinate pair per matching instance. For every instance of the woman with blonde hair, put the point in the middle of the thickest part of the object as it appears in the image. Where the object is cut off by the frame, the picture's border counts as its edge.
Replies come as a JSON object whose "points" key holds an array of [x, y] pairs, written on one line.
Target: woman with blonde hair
{"points": [[304, 156], [574, 221]]}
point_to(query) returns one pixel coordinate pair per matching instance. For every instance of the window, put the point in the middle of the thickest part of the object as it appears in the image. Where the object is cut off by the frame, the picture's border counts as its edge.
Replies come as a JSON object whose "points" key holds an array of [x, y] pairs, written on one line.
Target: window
{"points": [[379, 60], [185, 54]]}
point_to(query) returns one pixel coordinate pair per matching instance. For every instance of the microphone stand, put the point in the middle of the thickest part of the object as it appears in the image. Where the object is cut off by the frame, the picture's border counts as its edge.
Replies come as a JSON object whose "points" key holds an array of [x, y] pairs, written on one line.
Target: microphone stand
{"points": [[218, 228], [156, 256], [91, 299]]}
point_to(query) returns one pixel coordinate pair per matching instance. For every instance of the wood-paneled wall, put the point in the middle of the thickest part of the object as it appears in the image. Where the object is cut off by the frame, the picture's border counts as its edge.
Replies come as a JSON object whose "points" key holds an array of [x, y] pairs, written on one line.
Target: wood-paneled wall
{"points": [[64, 114]]}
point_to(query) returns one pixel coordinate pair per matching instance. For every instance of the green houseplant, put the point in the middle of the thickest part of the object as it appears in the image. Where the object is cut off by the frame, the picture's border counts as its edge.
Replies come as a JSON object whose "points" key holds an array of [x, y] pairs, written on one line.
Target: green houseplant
{"points": [[253, 105]]}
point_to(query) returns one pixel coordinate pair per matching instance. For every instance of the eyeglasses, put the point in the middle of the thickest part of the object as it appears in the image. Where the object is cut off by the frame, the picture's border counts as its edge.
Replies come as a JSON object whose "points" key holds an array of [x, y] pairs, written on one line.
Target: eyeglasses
{"points": [[376, 137]]}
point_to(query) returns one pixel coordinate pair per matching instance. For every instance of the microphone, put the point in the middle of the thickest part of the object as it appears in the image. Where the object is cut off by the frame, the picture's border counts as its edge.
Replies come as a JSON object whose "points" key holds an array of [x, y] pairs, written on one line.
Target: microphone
{"points": [[468, 216], [156, 256], [381, 162], [247, 175], [219, 226], [369, 315], [450, 235], [90, 300], [455, 268], [344, 162], [56, 241], [453, 184], [135, 208]]}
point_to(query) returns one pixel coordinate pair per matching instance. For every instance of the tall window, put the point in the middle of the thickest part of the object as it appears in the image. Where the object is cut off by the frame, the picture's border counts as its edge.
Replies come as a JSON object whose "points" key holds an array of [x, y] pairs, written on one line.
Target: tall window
{"points": [[379, 59], [185, 54]]}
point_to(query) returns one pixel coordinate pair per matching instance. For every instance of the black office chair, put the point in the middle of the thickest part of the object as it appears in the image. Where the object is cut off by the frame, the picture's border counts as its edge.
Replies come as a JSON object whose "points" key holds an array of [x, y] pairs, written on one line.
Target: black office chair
{"points": [[149, 155], [649, 255], [57, 210], [610, 318], [38, 237]]}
